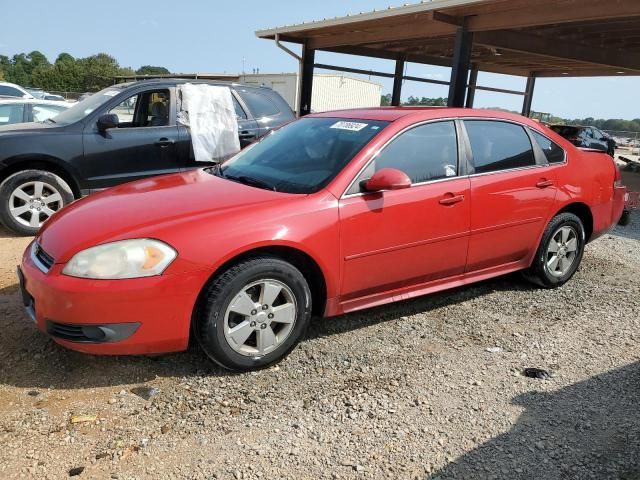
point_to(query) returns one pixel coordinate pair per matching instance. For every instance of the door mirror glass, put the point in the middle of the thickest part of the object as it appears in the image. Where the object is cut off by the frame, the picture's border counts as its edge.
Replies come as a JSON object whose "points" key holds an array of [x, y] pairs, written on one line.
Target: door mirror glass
{"points": [[387, 179], [105, 122]]}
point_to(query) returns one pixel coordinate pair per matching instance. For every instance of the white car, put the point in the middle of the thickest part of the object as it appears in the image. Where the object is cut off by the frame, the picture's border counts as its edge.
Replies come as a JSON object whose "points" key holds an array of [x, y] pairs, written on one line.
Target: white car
{"points": [[12, 90], [24, 110]]}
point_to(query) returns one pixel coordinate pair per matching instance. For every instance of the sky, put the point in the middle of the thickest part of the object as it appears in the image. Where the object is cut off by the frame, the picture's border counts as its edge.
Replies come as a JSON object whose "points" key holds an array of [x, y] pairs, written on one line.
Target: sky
{"points": [[191, 36]]}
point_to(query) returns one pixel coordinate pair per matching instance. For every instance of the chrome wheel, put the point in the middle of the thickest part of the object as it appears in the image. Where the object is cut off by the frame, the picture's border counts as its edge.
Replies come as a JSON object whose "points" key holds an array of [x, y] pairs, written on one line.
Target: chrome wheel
{"points": [[562, 251], [260, 318], [32, 203]]}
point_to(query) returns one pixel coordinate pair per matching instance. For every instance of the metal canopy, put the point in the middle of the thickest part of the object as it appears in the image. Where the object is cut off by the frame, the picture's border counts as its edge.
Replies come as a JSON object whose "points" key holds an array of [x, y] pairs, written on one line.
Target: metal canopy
{"points": [[529, 38], [542, 38]]}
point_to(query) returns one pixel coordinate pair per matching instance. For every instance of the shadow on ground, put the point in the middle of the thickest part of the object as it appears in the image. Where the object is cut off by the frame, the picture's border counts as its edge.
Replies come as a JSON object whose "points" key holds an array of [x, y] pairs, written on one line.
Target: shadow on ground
{"points": [[589, 430], [32, 360]]}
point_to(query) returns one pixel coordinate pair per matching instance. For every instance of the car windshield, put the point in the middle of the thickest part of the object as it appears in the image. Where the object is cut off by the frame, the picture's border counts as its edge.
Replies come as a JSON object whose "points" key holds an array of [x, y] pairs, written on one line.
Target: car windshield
{"points": [[86, 106], [302, 157]]}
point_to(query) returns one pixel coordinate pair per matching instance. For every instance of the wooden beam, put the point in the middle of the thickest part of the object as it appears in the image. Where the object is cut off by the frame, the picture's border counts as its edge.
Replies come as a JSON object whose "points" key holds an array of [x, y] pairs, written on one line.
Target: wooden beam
{"points": [[390, 55], [558, 49], [558, 12], [425, 27]]}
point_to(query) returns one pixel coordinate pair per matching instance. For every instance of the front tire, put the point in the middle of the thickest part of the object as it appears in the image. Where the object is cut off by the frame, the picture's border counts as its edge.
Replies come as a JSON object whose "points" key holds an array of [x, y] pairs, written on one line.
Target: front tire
{"points": [[28, 198], [560, 252], [253, 314]]}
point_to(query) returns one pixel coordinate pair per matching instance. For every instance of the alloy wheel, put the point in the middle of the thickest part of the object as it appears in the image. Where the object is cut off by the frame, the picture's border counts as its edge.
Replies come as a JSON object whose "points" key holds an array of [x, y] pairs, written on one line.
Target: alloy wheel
{"points": [[562, 251], [32, 203], [260, 318]]}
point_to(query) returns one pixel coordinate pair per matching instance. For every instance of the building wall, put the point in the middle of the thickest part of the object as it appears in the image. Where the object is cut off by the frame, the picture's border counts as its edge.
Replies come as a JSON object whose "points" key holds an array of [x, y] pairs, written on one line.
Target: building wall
{"points": [[330, 91]]}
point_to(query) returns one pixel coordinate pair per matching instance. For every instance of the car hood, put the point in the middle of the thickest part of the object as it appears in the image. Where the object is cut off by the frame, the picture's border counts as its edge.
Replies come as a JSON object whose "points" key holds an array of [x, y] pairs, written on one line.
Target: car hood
{"points": [[144, 208]]}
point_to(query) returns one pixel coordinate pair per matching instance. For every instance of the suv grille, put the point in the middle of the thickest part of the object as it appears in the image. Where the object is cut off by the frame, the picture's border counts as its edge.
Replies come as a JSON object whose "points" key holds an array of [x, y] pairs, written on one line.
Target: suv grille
{"points": [[42, 258]]}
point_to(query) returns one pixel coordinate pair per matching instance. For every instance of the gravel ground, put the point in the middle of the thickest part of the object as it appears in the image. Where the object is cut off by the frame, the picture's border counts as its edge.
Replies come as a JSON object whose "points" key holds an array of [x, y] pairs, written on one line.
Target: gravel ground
{"points": [[430, 388]]}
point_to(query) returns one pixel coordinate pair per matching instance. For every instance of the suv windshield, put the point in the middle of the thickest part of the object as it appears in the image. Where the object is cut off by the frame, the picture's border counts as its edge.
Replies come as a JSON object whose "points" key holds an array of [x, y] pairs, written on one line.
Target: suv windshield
{"points": [[86, 106], [302, 157]]}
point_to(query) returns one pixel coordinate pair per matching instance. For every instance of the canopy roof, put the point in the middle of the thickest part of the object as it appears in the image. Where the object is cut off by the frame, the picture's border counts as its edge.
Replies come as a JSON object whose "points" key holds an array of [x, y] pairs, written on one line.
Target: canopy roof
{"points": [[532, 38]]}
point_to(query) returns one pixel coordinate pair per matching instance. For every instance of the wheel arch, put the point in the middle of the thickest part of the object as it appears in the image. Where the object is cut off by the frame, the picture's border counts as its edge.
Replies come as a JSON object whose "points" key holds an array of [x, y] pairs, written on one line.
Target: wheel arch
{"points": [[300, 259], [583, 212], [41, 162]]}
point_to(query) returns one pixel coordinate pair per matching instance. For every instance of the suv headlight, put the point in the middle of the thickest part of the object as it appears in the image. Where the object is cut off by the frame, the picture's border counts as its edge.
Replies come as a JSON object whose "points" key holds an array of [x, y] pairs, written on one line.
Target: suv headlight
{"points": [[124, 259]]}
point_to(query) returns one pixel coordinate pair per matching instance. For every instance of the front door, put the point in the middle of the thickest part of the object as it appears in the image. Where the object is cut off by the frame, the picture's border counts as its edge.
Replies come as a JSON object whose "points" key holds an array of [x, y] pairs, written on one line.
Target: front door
{"points": [[144, 144], [511, 194], [396, 239]]}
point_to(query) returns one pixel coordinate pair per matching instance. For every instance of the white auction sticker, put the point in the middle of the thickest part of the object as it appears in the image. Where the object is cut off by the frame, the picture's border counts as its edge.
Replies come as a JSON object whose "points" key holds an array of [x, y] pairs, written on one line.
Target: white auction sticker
{"points": [[352, 126]]}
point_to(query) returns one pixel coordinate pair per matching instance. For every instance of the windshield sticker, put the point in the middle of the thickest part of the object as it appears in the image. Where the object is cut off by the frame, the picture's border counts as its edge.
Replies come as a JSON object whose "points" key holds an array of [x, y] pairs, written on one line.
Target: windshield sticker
{"points": [[351, 126], [111, 93]]}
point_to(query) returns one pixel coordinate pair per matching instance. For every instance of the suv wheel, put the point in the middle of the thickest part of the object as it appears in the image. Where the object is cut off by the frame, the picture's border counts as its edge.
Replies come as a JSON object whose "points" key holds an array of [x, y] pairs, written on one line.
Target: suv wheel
{"points": [[28, 198], [560, 252], [252, 315]]}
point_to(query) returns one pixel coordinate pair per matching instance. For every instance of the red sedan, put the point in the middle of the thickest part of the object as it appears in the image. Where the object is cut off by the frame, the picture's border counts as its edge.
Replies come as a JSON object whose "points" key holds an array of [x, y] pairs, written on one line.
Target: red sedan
{"points": [[333, 213]]}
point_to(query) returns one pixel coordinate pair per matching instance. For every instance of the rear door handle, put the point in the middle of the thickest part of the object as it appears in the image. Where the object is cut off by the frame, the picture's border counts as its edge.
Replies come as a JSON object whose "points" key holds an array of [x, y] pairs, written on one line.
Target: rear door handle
{"points": [[246, 135], [165, 142], [544, 184], [451, 200]]}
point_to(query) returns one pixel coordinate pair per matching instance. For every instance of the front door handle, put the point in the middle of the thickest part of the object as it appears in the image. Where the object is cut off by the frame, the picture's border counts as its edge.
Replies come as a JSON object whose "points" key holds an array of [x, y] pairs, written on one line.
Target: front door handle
{"points": [[544, 184], [451, 199], [165, 142]]}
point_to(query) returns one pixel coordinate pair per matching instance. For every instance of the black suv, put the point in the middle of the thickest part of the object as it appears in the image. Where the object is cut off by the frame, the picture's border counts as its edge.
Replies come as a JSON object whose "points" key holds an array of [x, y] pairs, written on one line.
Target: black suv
{"points": [[587, 137], [122, 133]]}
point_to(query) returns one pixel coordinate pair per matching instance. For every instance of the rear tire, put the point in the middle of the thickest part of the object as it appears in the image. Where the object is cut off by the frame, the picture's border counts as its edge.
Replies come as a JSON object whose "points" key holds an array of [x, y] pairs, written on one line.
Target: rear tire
{"points": [[29, 198], [560, 252], [253, 314]]}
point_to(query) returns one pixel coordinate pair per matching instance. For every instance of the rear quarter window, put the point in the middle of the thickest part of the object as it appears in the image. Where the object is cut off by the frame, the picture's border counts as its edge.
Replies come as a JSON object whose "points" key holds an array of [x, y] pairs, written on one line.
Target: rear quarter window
{"points": [[553, 151], [259, 104]]}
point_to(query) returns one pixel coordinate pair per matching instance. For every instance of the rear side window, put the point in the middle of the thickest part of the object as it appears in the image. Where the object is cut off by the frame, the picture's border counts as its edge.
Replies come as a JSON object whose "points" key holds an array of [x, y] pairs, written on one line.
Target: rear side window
{"points": [[259, 104], [11, 113], [425, 153], [553, 151], [10, 91], [499, 145], [240, 115]]}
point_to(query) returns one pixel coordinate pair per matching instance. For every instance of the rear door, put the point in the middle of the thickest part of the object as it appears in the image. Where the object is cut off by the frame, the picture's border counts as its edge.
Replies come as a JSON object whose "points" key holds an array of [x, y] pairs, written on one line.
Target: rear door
{"points": [[144, 144], [512, 192]]}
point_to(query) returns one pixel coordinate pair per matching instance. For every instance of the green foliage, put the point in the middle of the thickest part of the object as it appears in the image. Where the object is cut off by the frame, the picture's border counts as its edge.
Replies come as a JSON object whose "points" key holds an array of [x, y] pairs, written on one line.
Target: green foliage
{"points": [[152, 70], [385, 100], [426, 102], [67, 73]]}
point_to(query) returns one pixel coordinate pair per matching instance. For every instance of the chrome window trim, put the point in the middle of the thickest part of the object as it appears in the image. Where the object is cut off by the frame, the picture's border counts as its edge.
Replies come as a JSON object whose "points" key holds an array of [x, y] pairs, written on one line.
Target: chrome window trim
{"points": [[36, 261]]}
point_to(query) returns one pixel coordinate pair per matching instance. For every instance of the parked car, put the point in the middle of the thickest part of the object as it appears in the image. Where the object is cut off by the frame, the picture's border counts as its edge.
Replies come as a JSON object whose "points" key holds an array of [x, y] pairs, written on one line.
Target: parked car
{"points": [[333, 213], [54, 98], [122, 133], [587, 137], [18, 110], [12, 90]]}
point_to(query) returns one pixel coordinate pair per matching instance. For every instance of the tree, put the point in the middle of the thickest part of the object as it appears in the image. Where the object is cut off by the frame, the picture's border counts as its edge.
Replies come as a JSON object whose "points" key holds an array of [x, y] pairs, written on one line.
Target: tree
{"points": [[385, 100], [152, 70]]}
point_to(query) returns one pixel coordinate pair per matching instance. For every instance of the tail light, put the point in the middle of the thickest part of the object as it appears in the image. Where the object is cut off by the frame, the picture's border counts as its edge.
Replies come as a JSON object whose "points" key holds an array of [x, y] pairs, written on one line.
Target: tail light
{"points": [[617, 180]]}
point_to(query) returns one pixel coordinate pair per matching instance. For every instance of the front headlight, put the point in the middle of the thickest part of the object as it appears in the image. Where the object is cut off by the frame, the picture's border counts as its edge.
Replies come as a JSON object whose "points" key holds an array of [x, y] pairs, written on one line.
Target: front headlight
{"points": [[124, 259]]}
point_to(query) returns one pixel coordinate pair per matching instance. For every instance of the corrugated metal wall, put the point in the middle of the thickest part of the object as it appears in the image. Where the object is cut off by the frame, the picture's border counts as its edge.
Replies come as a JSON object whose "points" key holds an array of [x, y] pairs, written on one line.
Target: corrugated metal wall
{"points": [[330, 91]]}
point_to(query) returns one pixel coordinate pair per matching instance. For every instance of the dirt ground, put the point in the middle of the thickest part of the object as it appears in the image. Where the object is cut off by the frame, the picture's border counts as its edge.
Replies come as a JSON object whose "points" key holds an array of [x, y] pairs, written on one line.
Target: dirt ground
{"points": [[431, 388]]}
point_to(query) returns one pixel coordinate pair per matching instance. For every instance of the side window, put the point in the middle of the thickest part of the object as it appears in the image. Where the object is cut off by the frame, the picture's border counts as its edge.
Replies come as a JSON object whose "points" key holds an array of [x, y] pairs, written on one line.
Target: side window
{"points": [[259, 104], [596, 134], [10, 91], [240, 113], [146, 109], [11, 113], [424, 153], [553, 151], [43, 112], [499, 145]]}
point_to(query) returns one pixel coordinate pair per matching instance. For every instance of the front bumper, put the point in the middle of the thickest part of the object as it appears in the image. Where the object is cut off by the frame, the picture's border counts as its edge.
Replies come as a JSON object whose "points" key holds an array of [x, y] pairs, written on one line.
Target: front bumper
{"points": [[160, 309]]}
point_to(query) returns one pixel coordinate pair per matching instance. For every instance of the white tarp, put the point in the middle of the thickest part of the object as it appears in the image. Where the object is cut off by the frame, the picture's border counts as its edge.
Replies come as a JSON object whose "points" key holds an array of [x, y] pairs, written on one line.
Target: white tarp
{"points": [[209, 113]]}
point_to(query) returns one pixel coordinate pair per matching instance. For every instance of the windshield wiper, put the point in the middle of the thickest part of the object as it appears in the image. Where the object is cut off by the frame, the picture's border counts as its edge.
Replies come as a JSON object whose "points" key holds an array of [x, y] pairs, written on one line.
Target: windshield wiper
{"points": [[254, 182]]}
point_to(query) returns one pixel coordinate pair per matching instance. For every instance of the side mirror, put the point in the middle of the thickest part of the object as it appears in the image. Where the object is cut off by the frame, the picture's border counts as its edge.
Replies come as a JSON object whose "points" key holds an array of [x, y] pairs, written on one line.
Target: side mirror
{"points": [[387, 179], [107, 121]]}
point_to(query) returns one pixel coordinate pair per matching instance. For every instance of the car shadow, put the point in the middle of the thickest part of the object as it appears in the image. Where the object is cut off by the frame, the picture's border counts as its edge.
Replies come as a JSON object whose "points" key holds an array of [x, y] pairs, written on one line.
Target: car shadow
{"points": [[30, 359], [632, 230], [589, 430]]}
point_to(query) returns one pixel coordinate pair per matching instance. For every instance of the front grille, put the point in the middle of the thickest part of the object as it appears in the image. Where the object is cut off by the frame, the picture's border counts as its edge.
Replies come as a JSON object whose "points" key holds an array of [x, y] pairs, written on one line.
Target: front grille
{"points": [[43, 258]]}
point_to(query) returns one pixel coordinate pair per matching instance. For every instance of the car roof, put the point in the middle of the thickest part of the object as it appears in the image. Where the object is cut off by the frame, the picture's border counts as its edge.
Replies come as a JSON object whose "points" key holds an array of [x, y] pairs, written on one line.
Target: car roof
{"points": [[391, 114], [35, 101], [179, 81]]}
